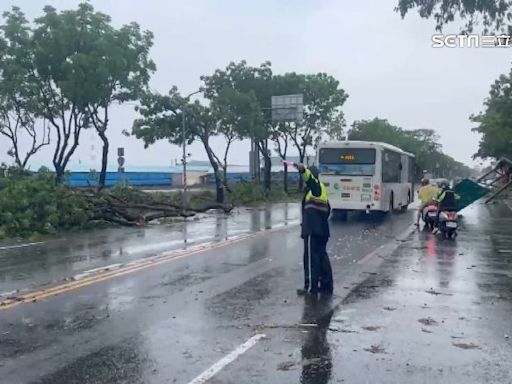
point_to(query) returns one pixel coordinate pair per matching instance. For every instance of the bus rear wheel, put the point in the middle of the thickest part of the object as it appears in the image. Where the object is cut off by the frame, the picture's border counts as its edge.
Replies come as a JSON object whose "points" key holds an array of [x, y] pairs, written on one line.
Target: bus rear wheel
{"points": [[340, 214], [391, 204], [406, 206]]}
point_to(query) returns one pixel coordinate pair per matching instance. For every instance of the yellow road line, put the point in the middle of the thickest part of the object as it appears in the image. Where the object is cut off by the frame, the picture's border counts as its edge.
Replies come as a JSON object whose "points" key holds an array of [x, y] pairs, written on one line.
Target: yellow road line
{"points": [[144, 264]]}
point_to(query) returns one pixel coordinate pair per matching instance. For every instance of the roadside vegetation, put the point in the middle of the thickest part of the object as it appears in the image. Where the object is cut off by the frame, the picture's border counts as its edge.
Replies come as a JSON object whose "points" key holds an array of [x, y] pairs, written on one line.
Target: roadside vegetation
{"points": [[35, 205], [60, 73]]}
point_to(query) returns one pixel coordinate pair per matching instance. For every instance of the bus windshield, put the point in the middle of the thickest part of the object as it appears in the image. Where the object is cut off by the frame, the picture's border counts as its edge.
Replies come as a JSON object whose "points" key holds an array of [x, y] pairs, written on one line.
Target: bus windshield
{"points": [[347, 161]]}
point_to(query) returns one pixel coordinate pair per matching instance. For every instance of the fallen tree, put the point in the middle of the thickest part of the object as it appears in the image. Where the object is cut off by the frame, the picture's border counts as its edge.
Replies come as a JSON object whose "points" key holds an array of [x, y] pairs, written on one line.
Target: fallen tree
{"points": [[34, 204], [110, 207]]}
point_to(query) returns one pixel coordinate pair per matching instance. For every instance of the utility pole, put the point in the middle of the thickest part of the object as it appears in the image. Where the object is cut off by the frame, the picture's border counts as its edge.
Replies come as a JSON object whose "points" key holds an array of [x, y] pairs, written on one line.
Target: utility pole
{"points": [[184, 138]]}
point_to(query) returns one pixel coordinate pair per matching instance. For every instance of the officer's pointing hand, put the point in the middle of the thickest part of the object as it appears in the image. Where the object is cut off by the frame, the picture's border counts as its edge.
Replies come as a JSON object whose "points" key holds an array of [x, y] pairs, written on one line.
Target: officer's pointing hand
{"points": [[300, 167]]}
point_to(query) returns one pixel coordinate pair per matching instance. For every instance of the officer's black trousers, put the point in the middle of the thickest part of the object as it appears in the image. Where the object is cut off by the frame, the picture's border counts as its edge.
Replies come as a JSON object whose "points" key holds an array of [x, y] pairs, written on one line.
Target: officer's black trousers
{"points": [[317, 267]]}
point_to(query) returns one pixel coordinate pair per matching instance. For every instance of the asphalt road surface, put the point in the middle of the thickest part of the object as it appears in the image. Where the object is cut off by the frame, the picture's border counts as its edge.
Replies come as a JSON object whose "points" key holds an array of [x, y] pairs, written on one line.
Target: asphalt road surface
{"points": [[222, 307]]}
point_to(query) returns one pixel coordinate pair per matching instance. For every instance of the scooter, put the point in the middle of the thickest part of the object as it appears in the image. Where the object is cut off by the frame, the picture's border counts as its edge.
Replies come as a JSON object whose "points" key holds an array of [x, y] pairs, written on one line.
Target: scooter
{"points": [[429, 215], [448, 224]]}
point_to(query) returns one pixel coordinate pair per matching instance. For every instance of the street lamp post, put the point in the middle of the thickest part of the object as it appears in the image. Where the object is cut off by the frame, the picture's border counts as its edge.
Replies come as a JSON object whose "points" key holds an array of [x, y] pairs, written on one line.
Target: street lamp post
{"points": [[184, 137]]}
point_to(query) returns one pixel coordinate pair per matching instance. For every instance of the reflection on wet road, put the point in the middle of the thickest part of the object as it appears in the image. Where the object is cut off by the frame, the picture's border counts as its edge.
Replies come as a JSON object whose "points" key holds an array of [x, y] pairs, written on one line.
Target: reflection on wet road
{"points": [[53, 260], [417, 309]]}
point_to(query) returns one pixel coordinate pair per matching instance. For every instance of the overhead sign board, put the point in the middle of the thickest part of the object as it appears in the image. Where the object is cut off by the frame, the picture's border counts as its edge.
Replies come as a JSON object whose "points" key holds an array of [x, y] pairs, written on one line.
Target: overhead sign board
{"points": [[287, 108]]}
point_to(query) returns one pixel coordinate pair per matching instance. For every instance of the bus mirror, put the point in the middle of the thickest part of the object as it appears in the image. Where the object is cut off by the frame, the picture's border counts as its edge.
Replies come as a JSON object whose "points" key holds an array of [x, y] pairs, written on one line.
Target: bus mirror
{"points": [[400, 166]]}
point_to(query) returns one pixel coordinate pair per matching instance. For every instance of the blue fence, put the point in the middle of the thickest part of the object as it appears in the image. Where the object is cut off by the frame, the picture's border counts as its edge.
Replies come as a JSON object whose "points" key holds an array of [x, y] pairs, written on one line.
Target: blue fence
{"points": [[88, 179], [234, 177], [154, 179], [237, 177]]}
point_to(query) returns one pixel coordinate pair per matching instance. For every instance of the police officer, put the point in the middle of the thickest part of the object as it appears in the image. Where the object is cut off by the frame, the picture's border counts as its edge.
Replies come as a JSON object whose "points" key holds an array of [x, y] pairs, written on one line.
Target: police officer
{"points": [[315, 232]]}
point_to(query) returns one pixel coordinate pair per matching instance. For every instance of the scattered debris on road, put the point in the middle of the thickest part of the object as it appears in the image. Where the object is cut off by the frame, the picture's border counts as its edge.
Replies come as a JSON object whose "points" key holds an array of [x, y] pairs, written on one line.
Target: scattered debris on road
{"points": [[375, 349], [436, 293], [286, 365], [466, 345], [428, 321], [371, 328]]}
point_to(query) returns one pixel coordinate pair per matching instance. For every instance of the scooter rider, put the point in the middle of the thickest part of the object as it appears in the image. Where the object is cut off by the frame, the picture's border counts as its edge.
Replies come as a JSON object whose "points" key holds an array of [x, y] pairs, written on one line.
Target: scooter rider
{"points": [[447, 200], [315, 232], [426, 194]]}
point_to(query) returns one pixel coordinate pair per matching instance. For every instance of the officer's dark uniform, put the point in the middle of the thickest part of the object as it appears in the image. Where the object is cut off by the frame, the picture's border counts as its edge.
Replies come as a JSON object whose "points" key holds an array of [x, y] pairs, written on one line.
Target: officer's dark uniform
{"points": [[315, 232]]}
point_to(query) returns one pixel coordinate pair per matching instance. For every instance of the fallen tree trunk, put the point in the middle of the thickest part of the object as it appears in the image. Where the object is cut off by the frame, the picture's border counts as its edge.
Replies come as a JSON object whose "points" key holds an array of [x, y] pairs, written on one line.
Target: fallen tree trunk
{"points": [[111, 208]]}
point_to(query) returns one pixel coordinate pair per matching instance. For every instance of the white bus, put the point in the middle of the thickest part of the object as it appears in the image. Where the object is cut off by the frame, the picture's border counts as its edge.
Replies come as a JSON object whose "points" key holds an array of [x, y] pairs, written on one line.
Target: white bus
{"points": [[366, 176]]}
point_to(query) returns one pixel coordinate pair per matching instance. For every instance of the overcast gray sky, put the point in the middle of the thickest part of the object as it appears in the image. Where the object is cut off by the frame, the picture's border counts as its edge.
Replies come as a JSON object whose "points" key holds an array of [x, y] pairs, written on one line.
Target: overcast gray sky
{"points": [[387, 65]]}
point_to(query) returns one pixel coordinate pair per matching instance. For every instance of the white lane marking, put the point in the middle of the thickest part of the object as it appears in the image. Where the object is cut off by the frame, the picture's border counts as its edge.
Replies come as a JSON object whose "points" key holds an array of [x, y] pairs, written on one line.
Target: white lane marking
{"points": [[389, 247], [90, 272], [10, 293], [20, 245], [228, 359]]}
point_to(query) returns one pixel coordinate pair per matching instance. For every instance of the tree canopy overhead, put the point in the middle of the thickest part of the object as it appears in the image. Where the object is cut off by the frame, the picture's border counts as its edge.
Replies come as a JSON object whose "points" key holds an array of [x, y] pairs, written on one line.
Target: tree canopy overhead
{"points": [[493, 15], [495, 122], [18, 104], [423, 143], [322, 95], [75, 64]]}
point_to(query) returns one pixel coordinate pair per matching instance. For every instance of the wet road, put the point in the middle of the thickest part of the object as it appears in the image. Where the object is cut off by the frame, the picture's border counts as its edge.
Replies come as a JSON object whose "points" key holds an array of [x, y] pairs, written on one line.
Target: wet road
{"points": [[406, 309], [29, 265]]}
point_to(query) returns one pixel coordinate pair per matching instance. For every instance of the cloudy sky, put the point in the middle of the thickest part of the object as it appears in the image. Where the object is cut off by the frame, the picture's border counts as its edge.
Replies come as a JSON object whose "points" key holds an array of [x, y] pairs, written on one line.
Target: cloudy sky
{"points": [[387, 65]]}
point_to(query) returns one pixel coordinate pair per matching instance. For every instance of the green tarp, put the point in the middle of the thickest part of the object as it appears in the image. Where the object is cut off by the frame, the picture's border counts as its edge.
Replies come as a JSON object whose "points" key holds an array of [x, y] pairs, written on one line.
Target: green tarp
{"points": [[469, 192]]}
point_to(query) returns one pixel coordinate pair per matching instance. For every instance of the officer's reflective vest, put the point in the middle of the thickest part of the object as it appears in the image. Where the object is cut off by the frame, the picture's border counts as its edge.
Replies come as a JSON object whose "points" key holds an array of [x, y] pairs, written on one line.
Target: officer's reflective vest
{"points": [[311, 201], [315, 209]]}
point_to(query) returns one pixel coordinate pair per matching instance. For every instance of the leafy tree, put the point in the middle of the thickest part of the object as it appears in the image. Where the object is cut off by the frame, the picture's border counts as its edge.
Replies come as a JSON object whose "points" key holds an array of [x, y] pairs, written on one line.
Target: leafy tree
{"points": [[17, 94], [162, 117], [495, 15], [322, 106], [281, 138], [36, 205], [256, 84], [78, 65], [423, 143], [323, 117], [495, 123], [236, 115]]}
